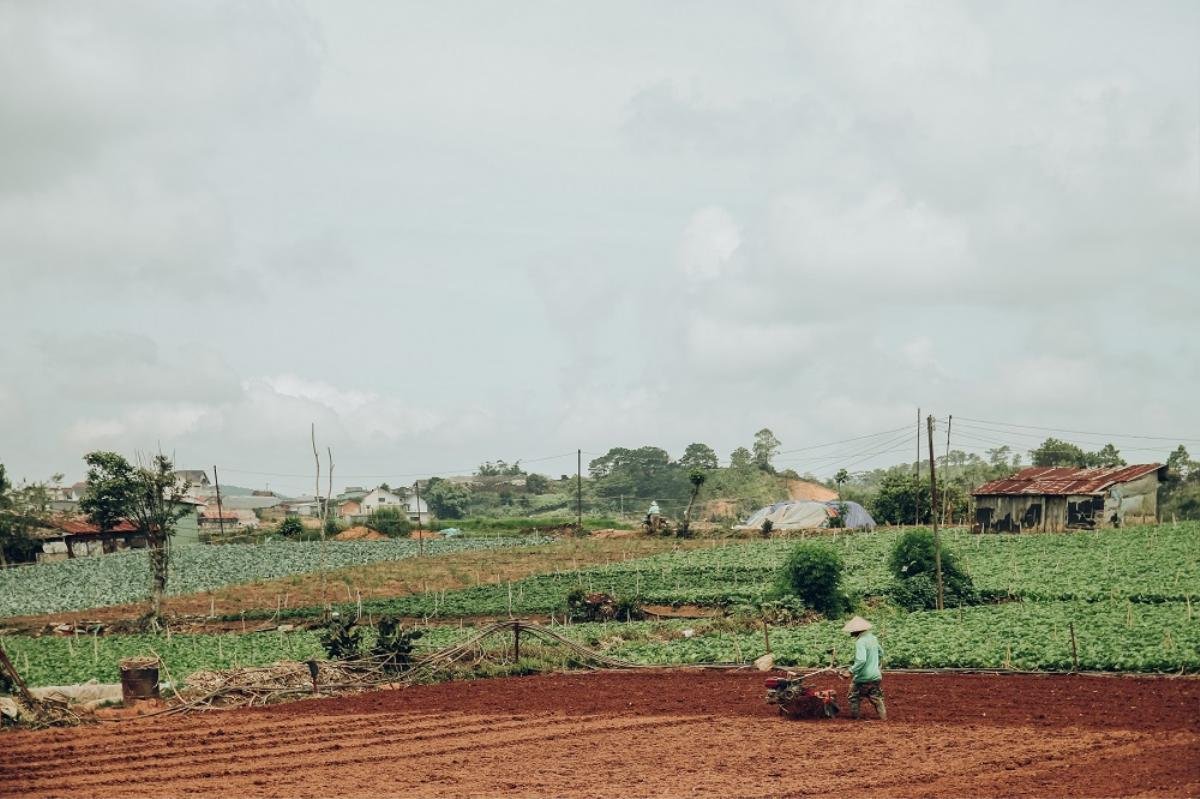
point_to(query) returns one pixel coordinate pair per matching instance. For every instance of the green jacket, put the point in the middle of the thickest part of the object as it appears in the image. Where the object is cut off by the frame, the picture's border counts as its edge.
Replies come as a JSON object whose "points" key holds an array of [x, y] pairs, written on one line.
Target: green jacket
{"points": [[867, 654]]}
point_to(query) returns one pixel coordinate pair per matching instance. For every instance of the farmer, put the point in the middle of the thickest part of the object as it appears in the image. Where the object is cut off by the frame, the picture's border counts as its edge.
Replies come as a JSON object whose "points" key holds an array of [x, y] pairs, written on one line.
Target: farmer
{"points": [[867, 679]]}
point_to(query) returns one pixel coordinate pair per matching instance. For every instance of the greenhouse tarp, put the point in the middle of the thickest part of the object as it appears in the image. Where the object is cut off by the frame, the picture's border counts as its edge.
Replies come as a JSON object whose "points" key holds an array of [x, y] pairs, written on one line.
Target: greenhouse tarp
{"points": [[807, 515]]}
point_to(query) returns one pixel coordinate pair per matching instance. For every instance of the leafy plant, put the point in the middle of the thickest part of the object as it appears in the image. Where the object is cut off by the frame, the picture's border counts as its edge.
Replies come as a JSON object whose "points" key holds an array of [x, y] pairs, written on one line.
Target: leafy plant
{"points": [[813, 572], [389, 521], [913, 563], [342, 639], [394, 645], [291, 527]]}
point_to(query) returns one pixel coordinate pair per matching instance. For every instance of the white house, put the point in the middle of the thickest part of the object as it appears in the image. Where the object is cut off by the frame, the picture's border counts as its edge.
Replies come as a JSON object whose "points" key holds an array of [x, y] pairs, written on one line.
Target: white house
{"points": [[378, 498], [417, 513]]}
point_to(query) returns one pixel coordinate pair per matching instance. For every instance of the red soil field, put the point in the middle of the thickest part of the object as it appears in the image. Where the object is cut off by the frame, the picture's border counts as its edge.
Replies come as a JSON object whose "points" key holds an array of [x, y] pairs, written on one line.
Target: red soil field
{"points": [[646, 733]]}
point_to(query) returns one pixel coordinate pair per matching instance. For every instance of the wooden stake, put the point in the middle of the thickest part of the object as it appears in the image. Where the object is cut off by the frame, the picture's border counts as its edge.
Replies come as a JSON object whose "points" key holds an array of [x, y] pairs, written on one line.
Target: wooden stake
{"points": [[766, 636], [937, 542], [1074, 649]]}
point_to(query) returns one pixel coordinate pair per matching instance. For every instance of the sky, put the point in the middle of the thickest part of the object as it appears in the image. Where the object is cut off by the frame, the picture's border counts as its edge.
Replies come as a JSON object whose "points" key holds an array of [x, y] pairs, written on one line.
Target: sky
{"points": [[446, 233]]}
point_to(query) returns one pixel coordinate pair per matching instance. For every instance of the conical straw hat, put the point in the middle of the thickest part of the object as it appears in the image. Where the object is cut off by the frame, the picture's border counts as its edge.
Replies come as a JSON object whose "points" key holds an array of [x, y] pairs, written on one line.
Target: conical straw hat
{"points": [[857, 625]]}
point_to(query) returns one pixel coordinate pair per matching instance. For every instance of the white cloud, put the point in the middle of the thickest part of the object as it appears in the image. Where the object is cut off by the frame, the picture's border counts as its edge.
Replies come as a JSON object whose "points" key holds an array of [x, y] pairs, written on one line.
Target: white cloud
{"points": [[708, 244]]}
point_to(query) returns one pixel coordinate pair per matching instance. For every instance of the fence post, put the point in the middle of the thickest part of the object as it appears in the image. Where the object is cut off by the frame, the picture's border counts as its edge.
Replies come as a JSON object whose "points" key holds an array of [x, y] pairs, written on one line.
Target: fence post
{"points": [[1074, 649]]}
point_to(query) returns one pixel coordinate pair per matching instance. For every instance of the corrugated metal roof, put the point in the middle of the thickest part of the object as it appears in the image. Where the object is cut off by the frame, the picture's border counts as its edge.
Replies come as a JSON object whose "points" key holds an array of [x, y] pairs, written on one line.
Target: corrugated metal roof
{"points": [[1064, 480], [83, 526]]}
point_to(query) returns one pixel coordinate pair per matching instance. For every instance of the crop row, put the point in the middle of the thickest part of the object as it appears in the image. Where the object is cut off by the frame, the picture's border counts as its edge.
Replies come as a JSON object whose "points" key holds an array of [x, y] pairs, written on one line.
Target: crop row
{"points": [[1110, 636], [124, 577]]}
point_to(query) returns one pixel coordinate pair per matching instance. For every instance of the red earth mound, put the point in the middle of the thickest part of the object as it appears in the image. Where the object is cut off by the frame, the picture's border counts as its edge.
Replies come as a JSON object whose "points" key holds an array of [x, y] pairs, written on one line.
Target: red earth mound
{"points": [[646, 733]]}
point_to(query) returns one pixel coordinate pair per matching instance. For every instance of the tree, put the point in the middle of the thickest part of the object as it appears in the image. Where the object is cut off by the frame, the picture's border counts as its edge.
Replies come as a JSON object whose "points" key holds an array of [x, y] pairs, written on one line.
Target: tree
{"points": [[901, 499], [1179, 464], [22, 509], [642, 472], [447, 500], [699, 456], [389, 521], [1000, 455], [1107, 456], [111, 486], [537, 484], [840, 479], [696, 477], [148, 496], [155, 510], [765, 447], [740, 458]]}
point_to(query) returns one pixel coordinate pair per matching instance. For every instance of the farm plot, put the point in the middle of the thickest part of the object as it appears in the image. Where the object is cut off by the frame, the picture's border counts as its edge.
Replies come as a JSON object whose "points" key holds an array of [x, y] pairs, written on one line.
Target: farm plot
{"points": [[124, 577], [652, 734], [1143, 564], [1110, 636]]}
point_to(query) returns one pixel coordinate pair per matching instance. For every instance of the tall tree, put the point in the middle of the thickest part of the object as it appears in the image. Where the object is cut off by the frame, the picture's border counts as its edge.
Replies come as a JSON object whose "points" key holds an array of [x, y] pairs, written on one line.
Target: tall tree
{"points": [[699, 456], [1053, 452], [765, 447], [1107, 456], [156, 509], [740, 458], [111, 485], [696, 477], [150, 497]]}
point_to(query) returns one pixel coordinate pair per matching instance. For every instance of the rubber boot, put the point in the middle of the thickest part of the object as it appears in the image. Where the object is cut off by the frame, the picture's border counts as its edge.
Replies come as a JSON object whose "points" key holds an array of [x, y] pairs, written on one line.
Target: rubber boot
{"points": [[854, 710], [879, 708]]}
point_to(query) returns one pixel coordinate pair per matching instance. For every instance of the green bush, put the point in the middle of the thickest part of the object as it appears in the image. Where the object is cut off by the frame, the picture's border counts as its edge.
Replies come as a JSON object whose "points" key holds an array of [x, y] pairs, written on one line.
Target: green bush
{"points": [[913, 563], [333, 526], [341, 639], [394, 644], [813, 572], [291, 527], [389, 521]]}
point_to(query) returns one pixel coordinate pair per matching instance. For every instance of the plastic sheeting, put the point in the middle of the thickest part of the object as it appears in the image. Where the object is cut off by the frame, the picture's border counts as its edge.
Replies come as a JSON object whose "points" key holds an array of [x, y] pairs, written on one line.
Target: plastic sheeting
{"points": [[807, 515]]}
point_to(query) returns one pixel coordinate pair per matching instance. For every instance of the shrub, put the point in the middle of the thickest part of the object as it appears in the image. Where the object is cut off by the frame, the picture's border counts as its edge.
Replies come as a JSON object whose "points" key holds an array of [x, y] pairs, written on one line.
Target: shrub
{"points": [[291, 527], [333, 526], [767, 527], [583, 606], [913, 564], [814, 573], [389, 521], [341, 639], [394, 644]]}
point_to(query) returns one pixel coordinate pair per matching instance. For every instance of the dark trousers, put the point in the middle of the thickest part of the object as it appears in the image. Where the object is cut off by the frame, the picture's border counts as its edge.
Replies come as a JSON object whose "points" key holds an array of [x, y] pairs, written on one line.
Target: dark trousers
{"points": [[872, 691]]}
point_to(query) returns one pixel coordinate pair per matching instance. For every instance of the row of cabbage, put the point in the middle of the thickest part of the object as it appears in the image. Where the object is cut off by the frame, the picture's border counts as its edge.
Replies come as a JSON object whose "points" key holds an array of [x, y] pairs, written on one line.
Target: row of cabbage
{"points": [[124, 577], [1109, 636]]}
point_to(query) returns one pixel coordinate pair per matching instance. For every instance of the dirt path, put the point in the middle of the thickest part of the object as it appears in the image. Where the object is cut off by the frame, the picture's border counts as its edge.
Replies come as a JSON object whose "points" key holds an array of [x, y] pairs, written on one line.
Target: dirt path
{"points": [[661, 734]]}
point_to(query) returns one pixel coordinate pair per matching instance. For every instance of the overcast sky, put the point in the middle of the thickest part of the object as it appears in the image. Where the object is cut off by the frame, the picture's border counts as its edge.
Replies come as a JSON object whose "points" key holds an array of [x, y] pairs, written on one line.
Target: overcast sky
{"points": [[450, 232]]}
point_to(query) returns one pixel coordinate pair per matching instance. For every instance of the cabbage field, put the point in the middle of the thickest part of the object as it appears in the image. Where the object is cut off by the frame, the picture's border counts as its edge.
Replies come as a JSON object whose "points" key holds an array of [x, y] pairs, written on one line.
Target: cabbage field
{"points": [[1111, 636], [124, 577], [1143, 564]]}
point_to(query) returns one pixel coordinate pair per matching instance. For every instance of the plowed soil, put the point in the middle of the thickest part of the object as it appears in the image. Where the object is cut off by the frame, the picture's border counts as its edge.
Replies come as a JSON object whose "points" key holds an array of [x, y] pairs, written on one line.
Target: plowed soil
{"points": [[660, 734]]}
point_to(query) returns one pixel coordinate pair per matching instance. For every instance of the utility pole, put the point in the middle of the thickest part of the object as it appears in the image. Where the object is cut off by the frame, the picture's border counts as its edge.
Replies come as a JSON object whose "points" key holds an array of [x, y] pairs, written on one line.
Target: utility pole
{"points": [[420, 535], [946, 494], [579, 491], [937, 542], [917, 475], [220, 513]]}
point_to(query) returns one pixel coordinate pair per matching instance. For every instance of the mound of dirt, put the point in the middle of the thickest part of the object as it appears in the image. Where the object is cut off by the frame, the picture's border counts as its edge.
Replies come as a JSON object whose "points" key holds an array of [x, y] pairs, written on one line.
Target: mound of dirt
{"points": [[813, 492], [612, 533], [360, 534]]}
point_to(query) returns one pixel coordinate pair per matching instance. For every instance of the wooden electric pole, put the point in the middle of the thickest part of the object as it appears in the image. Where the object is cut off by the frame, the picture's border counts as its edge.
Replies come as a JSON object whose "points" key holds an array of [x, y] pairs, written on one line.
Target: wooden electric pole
{"points": [[579, 492], [420, 534], [220, 512], [917, 475], [937, 541]]}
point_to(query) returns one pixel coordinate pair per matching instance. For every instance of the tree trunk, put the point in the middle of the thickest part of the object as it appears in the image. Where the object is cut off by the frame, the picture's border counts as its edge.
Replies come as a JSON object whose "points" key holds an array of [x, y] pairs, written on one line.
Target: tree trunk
{"points": [[158, 581], [687, 513]]}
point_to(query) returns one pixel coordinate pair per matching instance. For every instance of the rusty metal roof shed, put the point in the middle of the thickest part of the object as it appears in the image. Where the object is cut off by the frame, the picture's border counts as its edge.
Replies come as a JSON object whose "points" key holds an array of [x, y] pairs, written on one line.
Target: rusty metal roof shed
{"points": [[1065, 480]]}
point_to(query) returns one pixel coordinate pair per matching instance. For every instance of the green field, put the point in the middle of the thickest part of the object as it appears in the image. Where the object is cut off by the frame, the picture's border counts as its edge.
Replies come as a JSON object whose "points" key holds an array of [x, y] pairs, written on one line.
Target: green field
{"points": [[1142, 564], [124, 577], [1111, 636]]}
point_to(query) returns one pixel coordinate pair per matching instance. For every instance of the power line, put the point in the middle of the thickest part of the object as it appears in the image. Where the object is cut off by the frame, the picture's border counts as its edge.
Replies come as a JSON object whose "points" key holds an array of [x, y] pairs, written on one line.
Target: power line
{"points": [[1081, 432]]}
